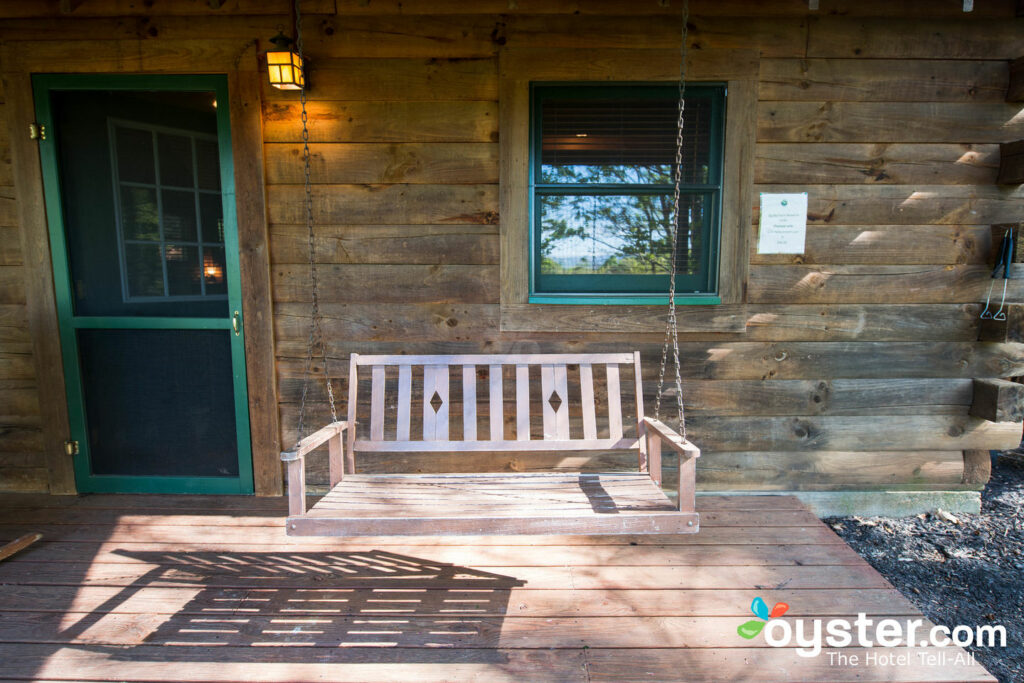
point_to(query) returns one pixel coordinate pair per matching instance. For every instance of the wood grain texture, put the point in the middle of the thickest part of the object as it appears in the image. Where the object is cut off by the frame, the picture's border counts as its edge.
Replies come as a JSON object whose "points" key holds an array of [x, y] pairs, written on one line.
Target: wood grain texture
{"points": [[882, 80], [341, 163], [887, 245], [38, 284], [254, 265], [900, 122], [910, 205], [890, 164], [913, 38], [387, 244]]}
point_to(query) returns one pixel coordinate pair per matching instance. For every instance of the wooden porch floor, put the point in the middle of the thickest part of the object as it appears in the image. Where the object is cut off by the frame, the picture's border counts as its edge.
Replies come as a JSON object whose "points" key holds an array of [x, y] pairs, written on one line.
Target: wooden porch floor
{"points": [[199, 588]]}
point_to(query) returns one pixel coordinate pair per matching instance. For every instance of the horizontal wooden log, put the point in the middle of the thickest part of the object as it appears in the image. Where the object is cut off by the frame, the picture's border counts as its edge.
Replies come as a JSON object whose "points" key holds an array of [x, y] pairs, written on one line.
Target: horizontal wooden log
{"points": [[882, 80], [369, 322], [399, 80], [340, 163], [917, 205], [830, 470], [831, 36], [11, 285], [23, 479], [1009, 329], [402, 122], [729, 8], [1015, 86], [742, 360], [8, 208], [387, 244], [771, 37], [19, 406], [876, 122], [1011, 163], [134, 56], [119, 8], [874, 284], [386, 204], [850, 433], [364, 37], [10, 246], [890, 164], [842, 433], [623, 64], [998, 400], [388, 284], [767, 322], [16, 366], [718, 397], [888, 245], [618, 319]]}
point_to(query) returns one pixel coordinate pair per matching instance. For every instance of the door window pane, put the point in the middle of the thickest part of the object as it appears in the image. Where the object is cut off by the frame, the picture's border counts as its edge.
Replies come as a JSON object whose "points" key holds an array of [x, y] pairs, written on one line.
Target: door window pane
{"points": [[172, 201], [208, 164], [140, 214], [135, 155], [183, 270], [179, 214], [175, 160], [144, 270]]}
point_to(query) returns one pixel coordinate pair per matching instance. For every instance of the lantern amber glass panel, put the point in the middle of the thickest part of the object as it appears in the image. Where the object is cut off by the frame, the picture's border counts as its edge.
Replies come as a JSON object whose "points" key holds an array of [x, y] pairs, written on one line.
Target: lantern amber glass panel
{"points": [[284, 68]]}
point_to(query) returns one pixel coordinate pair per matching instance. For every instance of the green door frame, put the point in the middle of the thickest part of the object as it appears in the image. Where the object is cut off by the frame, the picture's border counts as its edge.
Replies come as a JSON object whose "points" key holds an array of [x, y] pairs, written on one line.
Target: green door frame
{"points": [[86, 481]]}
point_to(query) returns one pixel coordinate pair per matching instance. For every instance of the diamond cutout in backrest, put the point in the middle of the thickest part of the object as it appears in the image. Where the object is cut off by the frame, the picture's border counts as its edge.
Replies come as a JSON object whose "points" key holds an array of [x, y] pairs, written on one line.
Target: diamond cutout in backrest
{"points": [[436, 402], [554, 401]]}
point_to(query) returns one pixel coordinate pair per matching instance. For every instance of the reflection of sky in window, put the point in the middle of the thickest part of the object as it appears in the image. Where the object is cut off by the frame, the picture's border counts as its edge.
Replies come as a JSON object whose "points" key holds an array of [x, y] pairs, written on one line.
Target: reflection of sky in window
{"points": [[660, 174], [597, 228]]}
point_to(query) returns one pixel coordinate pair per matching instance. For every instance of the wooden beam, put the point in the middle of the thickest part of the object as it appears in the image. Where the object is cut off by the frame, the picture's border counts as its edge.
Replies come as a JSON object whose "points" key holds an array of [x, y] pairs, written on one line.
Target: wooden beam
{"points": [[41, 304], [1011, 163], [1015, 89], [18, 545], [977, 468], [254, 265], [998, 400], [1010, 329]]}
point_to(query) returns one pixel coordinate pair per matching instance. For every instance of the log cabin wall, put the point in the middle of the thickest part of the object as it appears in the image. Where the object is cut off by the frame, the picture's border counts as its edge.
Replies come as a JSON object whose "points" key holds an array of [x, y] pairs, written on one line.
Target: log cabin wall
{"points": [[855, 370]]}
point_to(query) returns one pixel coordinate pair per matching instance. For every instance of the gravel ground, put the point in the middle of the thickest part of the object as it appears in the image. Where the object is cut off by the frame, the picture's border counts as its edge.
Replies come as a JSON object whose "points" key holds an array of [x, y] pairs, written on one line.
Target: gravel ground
{"points": [[962, 569]]}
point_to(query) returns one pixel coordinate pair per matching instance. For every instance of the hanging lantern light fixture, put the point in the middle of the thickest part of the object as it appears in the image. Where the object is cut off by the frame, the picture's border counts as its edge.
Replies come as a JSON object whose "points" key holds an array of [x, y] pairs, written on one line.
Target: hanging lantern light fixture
{"points": [[284, 64]]}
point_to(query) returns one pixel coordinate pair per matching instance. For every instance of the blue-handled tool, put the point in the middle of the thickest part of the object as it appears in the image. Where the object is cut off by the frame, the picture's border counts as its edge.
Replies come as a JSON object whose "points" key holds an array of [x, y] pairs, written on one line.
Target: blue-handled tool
{"points": [[1003, 261]]}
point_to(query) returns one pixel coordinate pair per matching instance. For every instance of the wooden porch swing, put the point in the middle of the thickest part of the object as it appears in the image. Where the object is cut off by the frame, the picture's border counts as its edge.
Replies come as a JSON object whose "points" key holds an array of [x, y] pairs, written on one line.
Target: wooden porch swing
{"points": [[494, 503]]}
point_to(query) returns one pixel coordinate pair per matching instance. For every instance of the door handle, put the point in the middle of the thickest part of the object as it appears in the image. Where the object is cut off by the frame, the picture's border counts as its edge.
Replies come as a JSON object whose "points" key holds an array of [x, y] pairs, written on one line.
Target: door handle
{"points": [[236, 323]]}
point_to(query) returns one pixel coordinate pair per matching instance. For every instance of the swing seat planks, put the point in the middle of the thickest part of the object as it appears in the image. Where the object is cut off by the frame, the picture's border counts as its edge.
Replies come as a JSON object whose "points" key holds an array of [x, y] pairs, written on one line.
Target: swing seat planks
{"points": [[404, 388]]}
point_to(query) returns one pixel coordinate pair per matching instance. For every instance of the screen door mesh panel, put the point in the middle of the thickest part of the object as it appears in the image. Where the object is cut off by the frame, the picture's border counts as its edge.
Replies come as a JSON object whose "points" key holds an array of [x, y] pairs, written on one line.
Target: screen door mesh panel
{"points": [[160, 402]]}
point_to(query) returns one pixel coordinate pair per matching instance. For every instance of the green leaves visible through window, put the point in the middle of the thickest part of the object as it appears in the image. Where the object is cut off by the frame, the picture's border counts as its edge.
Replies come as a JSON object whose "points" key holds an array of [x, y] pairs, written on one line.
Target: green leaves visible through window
{"points": [[603, 174]]}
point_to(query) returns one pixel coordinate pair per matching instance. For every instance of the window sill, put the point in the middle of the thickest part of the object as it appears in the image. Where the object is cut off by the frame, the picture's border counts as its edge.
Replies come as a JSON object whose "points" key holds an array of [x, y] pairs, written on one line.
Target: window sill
{"points": [[613, 300], [597, 318]]}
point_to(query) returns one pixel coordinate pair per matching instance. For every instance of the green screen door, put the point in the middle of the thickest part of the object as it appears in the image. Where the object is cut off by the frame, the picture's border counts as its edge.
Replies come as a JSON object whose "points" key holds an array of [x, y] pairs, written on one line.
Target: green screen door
{"points": [[140, 202]]}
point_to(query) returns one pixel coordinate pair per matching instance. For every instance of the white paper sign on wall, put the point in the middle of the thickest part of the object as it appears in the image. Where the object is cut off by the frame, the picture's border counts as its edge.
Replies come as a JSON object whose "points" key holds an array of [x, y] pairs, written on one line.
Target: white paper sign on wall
{"points": [[783, 223]]}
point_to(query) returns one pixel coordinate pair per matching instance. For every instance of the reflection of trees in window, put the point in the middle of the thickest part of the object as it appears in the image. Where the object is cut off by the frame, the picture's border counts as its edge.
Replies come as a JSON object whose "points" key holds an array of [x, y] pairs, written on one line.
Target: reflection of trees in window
{"points": [[604, 171]]}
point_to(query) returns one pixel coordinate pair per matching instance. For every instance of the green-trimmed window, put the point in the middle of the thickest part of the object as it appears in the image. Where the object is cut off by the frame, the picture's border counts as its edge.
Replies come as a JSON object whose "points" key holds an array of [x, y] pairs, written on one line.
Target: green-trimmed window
{"points": [[601, 175]]}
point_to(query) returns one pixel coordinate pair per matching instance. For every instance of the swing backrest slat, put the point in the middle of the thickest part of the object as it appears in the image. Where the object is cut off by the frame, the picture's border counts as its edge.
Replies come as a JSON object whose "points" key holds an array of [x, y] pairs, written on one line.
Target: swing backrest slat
{"points": [[563, 394]]}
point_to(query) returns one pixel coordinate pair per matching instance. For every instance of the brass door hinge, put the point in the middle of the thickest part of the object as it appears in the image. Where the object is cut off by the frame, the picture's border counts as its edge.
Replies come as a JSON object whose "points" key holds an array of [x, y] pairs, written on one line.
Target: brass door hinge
{"points": [[36, 131], [71, 447]]}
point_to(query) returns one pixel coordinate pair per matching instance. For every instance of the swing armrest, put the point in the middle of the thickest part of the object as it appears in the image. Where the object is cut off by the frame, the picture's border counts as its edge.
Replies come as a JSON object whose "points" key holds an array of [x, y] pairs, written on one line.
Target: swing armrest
{"points": [[296, 459], [688, 454], [672, 439]]}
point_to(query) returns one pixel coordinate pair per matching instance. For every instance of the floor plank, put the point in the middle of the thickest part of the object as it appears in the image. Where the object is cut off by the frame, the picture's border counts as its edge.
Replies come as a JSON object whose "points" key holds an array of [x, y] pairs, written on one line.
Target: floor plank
{"points": [[209, 588]]}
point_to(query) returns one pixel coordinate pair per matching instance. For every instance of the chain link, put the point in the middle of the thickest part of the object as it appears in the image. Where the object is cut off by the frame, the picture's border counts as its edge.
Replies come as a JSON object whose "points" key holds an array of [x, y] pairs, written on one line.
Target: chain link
{"points": [[672, 327], [316, 332]]}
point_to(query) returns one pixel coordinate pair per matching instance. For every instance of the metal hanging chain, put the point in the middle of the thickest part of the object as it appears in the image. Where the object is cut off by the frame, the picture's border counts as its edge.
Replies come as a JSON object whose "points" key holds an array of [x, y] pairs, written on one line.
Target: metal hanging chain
{"points": [[316, 332], [672, 327]]}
